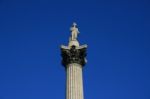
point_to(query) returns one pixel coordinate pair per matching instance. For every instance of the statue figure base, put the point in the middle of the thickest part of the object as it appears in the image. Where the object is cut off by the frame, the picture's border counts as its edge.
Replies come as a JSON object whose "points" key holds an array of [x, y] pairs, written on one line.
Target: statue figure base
{"points": [[73, 43]]}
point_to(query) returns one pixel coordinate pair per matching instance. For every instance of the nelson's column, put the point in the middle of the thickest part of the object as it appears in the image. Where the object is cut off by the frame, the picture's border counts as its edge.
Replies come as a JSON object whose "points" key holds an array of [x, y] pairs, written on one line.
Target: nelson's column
{"points": [[73, 59]]}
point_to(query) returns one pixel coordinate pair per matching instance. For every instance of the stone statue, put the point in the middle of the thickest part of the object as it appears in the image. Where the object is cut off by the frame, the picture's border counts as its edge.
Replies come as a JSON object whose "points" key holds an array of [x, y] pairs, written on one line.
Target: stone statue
{"points": [[74, 32]]}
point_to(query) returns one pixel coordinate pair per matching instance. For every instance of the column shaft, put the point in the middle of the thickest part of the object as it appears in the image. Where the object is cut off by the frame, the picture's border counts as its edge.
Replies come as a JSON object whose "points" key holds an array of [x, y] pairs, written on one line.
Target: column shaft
{"points": [[74, 82]]}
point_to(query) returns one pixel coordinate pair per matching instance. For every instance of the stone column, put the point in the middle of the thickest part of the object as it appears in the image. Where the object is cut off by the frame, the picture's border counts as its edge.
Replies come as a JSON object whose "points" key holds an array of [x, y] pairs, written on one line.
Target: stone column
{"points": [[74, 83], [73, 58]]}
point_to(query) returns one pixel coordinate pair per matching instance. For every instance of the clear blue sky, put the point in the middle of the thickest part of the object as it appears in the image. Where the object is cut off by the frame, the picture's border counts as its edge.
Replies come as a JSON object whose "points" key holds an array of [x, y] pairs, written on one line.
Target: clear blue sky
{"points": [[117, 32]]}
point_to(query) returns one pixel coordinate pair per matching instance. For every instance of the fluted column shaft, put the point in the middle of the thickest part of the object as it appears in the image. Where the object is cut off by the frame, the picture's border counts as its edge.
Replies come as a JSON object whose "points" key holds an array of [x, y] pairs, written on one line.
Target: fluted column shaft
{"points": [[74, 82]]}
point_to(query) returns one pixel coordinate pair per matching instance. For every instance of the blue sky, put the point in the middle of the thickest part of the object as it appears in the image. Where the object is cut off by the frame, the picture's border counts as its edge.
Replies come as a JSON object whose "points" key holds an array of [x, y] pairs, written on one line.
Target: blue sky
{"points": [[116, 31]]}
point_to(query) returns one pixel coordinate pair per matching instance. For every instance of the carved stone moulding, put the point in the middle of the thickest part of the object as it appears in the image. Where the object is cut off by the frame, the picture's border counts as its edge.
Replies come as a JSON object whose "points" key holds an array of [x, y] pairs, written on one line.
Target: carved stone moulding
{"points": [[73, 54]]}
